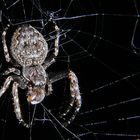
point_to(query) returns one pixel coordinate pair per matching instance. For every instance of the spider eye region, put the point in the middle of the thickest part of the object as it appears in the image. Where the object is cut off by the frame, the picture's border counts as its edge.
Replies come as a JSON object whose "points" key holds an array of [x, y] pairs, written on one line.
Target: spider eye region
{"points": [[35, 94], [35, 75]]}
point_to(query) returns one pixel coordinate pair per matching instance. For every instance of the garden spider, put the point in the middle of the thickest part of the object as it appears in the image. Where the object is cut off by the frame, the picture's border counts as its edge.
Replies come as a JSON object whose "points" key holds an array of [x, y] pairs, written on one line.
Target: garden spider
{"points": [[29, 50]]}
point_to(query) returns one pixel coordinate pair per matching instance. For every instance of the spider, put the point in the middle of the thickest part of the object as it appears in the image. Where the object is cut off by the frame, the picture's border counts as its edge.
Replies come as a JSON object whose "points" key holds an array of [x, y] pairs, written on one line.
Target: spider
{"points": [[29, 51]]}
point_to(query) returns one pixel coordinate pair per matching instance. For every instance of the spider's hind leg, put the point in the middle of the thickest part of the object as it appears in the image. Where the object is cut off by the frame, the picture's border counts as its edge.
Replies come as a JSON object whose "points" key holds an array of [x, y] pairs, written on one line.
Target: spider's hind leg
{"points": [[5, 48], [55, 50]]}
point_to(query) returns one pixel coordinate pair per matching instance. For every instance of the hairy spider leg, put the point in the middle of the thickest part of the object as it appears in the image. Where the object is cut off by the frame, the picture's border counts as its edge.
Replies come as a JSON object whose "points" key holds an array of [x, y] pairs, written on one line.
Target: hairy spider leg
{"points": [[17, 105], [50, 89], [5, 48], [74, 89], [51, 59], [75, 99], [5, 85], [15, 98], [12, 70]]}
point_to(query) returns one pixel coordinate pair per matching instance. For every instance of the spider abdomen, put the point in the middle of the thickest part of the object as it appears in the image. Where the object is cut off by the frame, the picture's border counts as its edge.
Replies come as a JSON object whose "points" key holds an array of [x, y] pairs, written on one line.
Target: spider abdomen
{"points": [[28, 46]]}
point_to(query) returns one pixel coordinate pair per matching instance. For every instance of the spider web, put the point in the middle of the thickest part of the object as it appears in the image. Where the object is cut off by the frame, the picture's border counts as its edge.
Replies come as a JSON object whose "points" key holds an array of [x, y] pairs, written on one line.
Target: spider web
{"points": [[100, 43]]}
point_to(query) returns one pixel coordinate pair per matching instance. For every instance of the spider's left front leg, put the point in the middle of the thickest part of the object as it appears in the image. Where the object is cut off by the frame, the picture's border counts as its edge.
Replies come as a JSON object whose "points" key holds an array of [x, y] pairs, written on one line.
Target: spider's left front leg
{"points": [[51, 59], [75, 96], [17, 108]]}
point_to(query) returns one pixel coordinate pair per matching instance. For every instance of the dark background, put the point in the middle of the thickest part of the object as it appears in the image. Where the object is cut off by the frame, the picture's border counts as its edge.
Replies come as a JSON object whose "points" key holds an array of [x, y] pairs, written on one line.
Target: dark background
{"points": [[108, 69]]}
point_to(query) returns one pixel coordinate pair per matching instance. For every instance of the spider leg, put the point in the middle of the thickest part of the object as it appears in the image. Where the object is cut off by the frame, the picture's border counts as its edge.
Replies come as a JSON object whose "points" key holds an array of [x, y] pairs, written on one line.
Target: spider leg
{"points": [[75, 99], [49, 88], [6, 53], [54, 77], [51, 59], [5, 85], [17, 105], [12, 70]]}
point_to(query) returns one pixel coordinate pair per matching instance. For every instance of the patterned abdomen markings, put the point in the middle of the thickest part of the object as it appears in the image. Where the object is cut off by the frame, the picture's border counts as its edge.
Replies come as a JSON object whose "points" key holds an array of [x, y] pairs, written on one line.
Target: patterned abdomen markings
{"points": [[28, 46]]}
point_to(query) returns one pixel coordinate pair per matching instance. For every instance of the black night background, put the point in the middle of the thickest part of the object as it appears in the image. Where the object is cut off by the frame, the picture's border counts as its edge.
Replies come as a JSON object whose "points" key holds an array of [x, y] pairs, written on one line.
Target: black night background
{"points": [[100, 42]]}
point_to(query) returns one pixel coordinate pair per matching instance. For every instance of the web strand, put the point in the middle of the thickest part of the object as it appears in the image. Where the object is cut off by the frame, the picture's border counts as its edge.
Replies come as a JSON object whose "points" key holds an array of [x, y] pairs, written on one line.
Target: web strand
{"points": [[100, 43]]}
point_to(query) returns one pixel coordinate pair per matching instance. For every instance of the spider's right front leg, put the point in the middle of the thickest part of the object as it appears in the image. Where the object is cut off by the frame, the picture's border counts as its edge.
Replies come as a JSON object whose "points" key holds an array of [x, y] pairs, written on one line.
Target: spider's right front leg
{"points": [[5, 85], [17, 108]]}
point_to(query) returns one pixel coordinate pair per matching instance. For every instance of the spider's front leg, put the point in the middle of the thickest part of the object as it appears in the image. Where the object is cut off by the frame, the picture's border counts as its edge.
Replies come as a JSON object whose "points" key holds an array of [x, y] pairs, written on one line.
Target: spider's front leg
{"points": [[51, 59], [75, 101], [17, 105], [15, 98], [75, 97]]}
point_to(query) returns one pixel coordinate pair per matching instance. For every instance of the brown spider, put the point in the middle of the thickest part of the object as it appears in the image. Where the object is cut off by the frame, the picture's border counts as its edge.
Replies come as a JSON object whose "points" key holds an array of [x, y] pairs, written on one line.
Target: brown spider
{"points": [[29, 50]]}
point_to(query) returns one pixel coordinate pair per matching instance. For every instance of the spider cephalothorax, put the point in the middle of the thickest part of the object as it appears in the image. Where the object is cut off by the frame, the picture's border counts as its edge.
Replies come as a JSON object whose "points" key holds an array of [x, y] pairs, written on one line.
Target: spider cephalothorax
{"points": [[29, 50], [37, 77]]}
